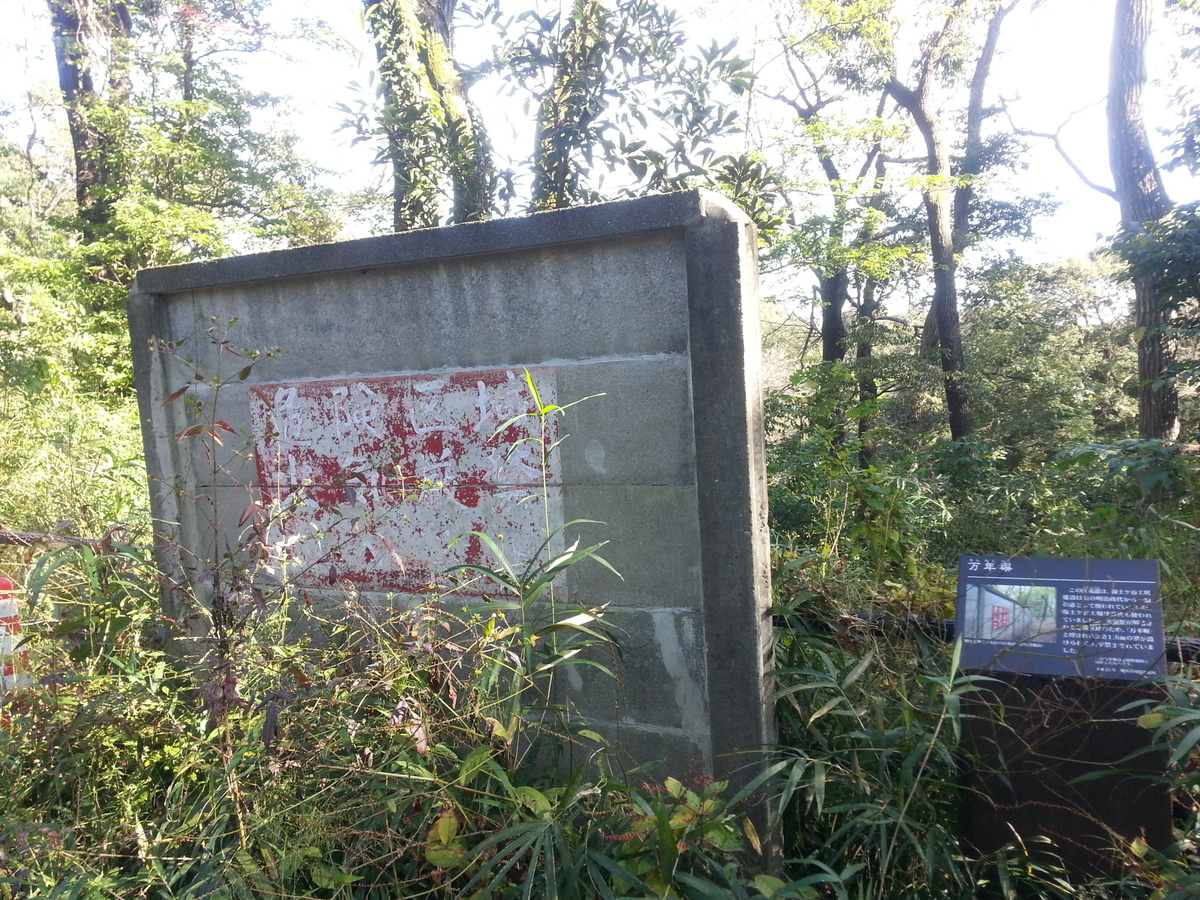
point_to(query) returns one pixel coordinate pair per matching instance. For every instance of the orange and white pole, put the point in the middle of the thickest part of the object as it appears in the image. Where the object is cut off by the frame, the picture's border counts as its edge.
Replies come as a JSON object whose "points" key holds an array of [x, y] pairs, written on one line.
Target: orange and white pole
{"points": [[14, 664]]}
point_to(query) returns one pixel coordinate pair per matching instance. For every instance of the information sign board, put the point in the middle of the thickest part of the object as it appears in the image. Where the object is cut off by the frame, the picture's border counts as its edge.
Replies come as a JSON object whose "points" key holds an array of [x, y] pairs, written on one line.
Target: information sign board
{"points": [[1087, 617]]}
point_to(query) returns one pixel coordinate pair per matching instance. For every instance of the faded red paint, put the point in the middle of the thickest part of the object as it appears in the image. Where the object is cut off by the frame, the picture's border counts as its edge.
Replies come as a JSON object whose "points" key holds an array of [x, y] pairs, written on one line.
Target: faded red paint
{"points": [[368, 480]]}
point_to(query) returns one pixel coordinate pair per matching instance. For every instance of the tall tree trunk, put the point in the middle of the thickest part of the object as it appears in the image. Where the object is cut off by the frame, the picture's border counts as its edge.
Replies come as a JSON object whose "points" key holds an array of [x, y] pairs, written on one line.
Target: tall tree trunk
{"points": [[433, 133], [834, 278], [973, 162], [574, 100], [469, 157], [868, 387], [939, 213], [948, 207], [869, 306], [81, 29], [409, 116], [834, 288], [1143, 198]]}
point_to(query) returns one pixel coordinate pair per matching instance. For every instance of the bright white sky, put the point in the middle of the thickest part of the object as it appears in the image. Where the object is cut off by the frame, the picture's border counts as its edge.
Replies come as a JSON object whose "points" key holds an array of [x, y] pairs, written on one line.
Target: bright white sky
{"points": [[1053, 64]]}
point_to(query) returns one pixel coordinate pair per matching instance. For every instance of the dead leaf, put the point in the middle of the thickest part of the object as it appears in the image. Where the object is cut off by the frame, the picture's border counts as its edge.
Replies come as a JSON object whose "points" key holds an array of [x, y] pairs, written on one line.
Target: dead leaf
{"points": [[175, 395], [407, 715]]}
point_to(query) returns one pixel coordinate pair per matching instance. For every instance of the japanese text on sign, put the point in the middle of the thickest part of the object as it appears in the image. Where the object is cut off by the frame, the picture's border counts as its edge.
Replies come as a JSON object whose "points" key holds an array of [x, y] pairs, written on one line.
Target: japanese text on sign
{"points": [[1061, 616]]}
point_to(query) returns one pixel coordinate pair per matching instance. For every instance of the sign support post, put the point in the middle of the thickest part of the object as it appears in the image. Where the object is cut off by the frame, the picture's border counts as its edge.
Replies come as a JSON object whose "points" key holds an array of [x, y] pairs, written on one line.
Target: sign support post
{"points": [[1057, 749]]}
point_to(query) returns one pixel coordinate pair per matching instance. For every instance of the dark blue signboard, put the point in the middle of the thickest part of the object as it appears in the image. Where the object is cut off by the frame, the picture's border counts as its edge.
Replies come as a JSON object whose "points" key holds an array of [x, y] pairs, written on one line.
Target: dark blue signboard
{"points": [[1092, 617]]}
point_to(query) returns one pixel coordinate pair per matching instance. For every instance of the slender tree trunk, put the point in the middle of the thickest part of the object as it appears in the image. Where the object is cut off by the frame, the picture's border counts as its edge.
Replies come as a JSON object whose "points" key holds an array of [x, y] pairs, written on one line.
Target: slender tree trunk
{"points": [[868, 387], [834, 282], [434, 135], [868, 307], [409, 117], [78, 91], [78, 27], [945, 306], [1143, 198], [469, 157], [973, 162], [947, 207], [939, 213]]}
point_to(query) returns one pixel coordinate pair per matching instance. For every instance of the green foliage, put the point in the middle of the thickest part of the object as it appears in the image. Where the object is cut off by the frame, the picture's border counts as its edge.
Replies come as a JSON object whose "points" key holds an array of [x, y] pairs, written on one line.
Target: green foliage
{"points": [[618, 86], [414, 117], [426, 751], [857, 37], [183, 163], [69, 463], [622, 105], [871, 480], [1051, 357], [908, 516], [363, 755], [1184, 150], [871, 508], [875, 516], [1168, 251], [869, 790], [1135, 499], [872, 776]]}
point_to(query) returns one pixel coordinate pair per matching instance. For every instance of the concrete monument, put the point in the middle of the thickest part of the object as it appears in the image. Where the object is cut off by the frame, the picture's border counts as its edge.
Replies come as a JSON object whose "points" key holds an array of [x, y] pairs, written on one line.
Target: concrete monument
{"points": [[395, 400]]}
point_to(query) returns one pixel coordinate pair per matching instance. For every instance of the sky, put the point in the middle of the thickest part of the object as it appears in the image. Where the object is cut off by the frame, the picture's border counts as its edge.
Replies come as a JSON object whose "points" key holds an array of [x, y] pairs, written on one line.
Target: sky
{"points": [[1051, 70], [1056, 60]]}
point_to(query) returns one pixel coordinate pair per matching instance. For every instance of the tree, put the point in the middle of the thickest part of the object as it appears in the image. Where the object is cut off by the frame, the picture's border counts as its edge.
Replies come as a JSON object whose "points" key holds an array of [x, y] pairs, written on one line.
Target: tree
{"points": [[948, 194], [1166, 253], [845, 89], [171, 159], [1051, 357], [1138, 188], [594, 74], [856, 239], [570, 106], [431, 130], [817, 50], [619, 92], [92, 45]]}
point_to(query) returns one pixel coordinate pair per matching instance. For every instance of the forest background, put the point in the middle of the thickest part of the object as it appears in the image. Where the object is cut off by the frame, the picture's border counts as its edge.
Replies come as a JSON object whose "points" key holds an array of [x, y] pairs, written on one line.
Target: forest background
{"points": [[939, 381], [149, 126]]}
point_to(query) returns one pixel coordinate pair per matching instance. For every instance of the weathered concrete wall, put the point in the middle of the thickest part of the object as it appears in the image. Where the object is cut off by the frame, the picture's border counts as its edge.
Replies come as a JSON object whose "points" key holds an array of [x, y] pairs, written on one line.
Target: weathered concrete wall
{"points": [[419, 342]]}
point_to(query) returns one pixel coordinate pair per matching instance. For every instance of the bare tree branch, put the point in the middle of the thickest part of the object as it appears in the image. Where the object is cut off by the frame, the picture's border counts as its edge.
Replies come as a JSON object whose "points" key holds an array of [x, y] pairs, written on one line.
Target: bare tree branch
{"points": [[37, 539], [1056, 139]]}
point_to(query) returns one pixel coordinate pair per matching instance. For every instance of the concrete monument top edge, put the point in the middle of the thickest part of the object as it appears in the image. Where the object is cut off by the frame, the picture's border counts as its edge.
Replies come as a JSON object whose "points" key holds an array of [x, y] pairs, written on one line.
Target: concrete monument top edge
{"points": [[680, 209]]}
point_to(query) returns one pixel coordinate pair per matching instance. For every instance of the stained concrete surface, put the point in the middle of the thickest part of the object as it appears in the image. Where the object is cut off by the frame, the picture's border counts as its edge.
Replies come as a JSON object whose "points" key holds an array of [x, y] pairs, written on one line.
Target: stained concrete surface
{"points": [[649, 304]]}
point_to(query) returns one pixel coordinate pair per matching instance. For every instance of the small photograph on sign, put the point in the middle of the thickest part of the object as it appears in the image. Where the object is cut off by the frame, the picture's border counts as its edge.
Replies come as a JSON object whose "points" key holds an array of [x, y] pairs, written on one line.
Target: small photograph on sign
{"points": [[1087, 617], [1010, 612]]}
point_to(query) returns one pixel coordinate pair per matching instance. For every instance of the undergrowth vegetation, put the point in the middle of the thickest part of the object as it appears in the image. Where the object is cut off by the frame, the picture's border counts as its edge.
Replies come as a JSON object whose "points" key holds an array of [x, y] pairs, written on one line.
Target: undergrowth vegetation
{"points": [[286, 748], [365, 755], [253, 744], [416, 752], [292, 749], [419, 751], [870, 520], [69, 463]]}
